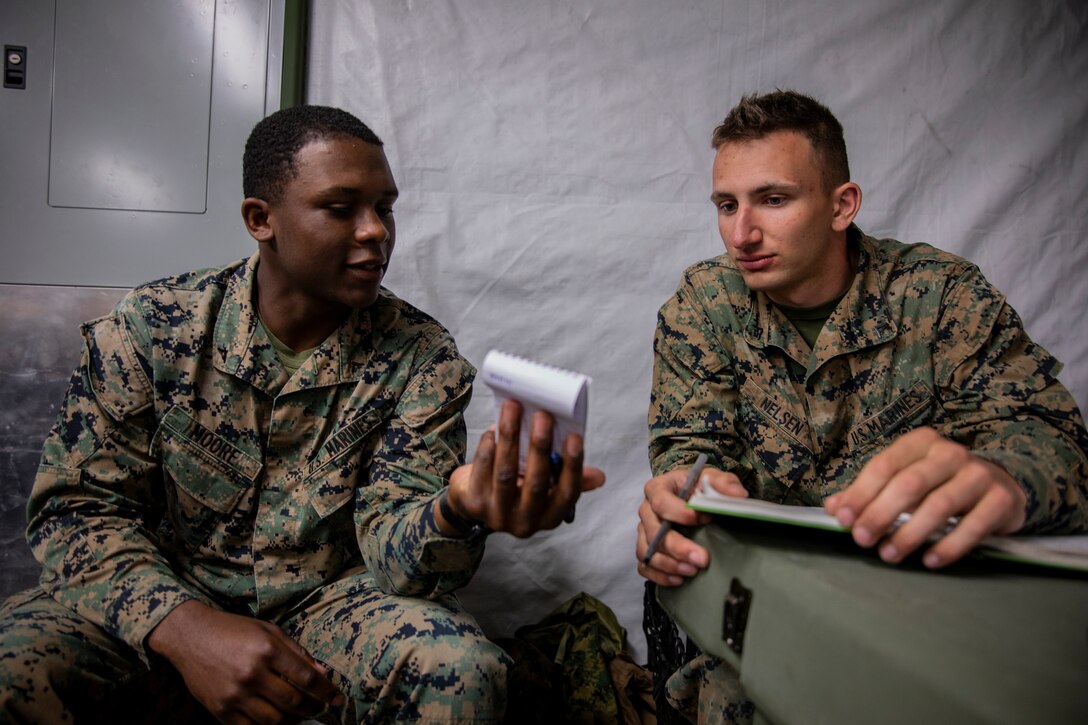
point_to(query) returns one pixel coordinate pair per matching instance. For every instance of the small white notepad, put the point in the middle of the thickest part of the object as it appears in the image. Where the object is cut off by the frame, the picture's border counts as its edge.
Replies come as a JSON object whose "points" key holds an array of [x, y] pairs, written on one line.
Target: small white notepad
{"points": [[563, 393]]}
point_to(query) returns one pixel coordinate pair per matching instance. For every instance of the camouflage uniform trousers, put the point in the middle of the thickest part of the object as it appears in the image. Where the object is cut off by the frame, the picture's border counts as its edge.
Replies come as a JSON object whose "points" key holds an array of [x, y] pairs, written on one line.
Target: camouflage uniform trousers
{"points": [[397, 658], [707, 691]]}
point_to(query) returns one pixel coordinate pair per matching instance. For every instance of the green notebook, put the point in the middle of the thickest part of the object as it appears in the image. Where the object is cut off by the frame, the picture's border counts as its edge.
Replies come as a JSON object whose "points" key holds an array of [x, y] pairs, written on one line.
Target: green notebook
{"points": [[1060, 552]]}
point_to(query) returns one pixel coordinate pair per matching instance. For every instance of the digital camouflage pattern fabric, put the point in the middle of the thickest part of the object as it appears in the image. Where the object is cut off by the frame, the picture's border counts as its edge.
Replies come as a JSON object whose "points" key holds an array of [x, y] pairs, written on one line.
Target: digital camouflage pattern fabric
{"points": [[707, 690], [186, 463], [571, 667], [921, 338], [398, 658]]}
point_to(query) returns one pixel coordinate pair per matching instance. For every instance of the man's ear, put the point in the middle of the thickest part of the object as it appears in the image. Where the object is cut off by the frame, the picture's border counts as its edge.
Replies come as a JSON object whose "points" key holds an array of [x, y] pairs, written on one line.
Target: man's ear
{"points": [[847, 201], [256, 215]]}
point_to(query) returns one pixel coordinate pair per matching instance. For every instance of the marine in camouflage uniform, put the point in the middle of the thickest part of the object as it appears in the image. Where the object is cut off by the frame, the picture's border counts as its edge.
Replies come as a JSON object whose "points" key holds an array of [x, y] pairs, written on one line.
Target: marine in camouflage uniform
{"points": [[810, 349], [187, 464], [921, 338], [251, 506]]}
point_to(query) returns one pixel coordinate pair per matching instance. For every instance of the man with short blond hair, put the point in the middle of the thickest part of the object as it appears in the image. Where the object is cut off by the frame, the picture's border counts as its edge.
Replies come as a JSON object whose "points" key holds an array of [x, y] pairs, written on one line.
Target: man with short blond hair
{"points": [[816, 365]]}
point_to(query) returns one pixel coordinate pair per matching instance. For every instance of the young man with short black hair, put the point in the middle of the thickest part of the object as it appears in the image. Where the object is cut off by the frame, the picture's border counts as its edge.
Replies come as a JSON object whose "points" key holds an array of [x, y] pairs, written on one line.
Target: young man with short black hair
{"points": [[251, 504]]}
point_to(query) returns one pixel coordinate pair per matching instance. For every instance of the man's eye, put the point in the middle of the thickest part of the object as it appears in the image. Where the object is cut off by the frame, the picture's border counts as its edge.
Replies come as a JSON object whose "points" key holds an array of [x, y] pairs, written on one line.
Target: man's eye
{"points": [[385, 211], [776, 200], [727, 207], [339, 211]]}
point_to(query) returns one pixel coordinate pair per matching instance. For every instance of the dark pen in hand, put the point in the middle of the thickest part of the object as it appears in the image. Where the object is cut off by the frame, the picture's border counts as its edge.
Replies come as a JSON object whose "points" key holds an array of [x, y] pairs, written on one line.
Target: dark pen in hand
{"points": [[557, 468], [685, 494]]}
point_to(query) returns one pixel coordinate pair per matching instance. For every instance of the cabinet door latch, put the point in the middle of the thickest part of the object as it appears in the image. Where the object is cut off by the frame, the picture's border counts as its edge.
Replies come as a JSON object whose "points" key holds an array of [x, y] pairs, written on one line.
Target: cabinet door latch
{"points": [[15, 66], [735, 615]]}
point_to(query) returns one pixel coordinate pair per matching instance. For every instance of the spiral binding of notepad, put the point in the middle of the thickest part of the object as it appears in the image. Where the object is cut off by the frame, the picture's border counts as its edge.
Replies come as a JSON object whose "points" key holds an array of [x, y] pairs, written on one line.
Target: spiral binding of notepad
{"points": [[538, 386]]}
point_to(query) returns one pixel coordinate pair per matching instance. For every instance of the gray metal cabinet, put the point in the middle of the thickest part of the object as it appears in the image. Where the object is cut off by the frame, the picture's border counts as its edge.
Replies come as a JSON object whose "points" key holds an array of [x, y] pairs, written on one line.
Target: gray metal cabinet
{"points": [[121, 156]]}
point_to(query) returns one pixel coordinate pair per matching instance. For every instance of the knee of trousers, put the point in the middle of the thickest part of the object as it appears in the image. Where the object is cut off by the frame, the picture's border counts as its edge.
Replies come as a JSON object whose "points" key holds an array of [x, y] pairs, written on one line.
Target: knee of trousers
{"points": [[454, 661], [455, 677], [52, 661]]}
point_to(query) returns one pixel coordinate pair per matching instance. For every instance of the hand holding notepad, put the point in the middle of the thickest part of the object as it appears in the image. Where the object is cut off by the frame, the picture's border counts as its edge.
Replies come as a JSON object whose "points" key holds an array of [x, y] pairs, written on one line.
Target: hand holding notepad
{"points": [[484, 496], [563, 393]]}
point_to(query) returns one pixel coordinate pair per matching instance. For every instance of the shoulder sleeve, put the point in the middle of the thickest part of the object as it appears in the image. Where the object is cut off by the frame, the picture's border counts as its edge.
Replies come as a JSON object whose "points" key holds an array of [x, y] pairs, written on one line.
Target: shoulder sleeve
{"points": [[422, 445], [694, 392], [1001, 397], [97, 495]]}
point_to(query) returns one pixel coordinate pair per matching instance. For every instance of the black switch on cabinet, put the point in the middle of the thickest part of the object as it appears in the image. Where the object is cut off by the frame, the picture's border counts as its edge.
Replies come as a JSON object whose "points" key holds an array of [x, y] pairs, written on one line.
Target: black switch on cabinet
{"points": [[15, 66]]}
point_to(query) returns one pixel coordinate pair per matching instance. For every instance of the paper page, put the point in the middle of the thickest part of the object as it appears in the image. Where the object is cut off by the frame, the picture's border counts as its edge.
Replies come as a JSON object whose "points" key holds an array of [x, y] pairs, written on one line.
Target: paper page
{"points": [[1063, 552], [811, 516]]}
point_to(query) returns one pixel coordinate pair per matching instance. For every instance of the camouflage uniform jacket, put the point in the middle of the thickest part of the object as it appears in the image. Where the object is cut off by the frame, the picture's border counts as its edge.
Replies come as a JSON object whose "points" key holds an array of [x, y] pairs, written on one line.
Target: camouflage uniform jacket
{"points": [[921, 338], [186, 464]]}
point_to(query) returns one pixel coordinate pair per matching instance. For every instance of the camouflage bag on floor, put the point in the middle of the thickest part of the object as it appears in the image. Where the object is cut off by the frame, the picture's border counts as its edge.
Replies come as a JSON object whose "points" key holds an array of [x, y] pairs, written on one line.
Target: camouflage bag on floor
{"points": [[571, 667]]}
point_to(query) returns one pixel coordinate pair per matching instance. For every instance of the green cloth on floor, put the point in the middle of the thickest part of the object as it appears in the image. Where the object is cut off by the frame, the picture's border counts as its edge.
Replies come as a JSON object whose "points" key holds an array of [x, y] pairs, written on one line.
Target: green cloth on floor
{"points": [[572, 667]]}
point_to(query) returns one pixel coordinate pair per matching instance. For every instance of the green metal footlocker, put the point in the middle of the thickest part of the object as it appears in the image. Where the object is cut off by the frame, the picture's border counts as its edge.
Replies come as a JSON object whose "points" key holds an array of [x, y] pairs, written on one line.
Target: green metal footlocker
{"points": [[824, 632]]}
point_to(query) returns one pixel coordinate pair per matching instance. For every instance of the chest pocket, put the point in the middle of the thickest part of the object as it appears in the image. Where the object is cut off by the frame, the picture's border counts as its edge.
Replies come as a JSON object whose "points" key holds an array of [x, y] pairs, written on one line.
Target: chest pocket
{"points": [[334, 471], [207, 476], [777, 436], [910, 410]]}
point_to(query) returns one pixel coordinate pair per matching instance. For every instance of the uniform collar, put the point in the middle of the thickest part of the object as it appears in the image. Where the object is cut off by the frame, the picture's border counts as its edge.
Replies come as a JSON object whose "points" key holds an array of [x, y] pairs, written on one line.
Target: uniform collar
{"points": [[861, 320], [242, 347]]}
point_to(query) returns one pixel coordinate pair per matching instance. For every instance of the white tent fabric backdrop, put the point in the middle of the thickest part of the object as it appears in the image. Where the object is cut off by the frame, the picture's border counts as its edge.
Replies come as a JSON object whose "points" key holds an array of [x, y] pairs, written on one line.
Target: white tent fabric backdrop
{"points": [[554, 166]]}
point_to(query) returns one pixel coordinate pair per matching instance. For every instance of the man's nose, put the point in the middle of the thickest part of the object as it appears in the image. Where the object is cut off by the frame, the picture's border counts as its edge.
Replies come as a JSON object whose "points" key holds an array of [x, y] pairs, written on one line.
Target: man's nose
{"points": [[369, 227], [744, 230]]}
